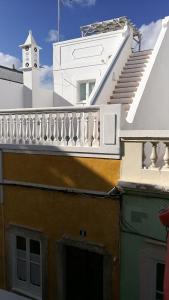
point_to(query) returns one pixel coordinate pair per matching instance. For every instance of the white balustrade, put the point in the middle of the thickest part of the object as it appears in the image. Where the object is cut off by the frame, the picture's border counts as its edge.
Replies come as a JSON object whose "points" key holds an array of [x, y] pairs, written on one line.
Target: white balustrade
{"points": [[73, 128], [155, 155]]}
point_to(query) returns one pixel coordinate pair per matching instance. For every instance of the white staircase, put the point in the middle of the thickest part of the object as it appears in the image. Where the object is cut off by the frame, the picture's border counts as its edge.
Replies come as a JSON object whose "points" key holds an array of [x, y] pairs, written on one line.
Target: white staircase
{"points": [[130, 78]]}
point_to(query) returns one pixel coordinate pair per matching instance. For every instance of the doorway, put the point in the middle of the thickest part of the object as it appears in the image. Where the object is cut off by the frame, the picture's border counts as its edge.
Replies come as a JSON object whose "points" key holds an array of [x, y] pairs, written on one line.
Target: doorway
{"points": [[84, 271], [83, 274]]}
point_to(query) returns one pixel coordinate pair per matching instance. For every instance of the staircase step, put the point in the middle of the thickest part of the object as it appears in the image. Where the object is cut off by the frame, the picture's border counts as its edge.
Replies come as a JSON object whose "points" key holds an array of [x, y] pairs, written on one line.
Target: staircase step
{"points": [[138, 59], [136, 62], [129, 79], [127, 84], [131, 74], [133, 69], [122, 95], [136, 66], [133, 78], [121, 101], [125, 89], [141, 53]]}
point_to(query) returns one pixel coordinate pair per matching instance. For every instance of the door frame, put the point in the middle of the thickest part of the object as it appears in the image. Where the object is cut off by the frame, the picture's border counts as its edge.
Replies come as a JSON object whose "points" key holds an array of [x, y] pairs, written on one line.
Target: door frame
{"points": [[84, 245]]}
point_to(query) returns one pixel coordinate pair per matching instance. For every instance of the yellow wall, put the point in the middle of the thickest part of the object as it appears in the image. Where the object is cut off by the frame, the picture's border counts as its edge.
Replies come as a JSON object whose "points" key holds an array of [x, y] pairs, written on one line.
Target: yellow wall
{"points": [[57, 214], [2, 249], [66, 171]]}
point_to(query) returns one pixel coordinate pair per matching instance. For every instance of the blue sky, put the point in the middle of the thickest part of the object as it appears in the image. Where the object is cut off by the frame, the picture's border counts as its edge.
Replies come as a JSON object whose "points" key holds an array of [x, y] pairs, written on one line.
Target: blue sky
{"points": [[18, 16]]}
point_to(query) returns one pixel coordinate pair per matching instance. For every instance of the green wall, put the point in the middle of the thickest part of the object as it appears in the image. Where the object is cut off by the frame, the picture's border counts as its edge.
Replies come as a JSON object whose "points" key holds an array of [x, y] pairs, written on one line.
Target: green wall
{"points": [[139, 214]]}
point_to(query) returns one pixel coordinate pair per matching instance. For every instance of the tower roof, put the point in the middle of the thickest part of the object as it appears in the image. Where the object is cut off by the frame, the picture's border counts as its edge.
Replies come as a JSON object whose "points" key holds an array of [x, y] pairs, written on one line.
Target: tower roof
{"points": [[30, 41]]}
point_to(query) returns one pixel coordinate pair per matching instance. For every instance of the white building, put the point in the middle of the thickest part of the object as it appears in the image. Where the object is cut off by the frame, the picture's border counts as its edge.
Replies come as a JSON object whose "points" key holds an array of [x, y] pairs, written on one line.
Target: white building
{"points": [[109, 102]]}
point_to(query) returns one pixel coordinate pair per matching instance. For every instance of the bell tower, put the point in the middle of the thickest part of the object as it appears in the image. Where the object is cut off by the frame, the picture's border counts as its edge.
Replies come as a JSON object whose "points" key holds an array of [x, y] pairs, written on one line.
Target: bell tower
{"points": [[30, 53], [31, 71]]}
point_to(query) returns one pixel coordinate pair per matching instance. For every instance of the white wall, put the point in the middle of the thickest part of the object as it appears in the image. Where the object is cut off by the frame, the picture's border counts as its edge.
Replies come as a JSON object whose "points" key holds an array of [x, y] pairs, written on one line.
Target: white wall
{"points": [[82, 59], [11, 94], [16, 95], [153, 109]]}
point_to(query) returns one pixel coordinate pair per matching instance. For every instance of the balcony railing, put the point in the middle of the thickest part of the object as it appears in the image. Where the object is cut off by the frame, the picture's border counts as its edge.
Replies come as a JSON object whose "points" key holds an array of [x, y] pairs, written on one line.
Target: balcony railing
{"points": [[66, 127], [156, 155], [70, 128]]}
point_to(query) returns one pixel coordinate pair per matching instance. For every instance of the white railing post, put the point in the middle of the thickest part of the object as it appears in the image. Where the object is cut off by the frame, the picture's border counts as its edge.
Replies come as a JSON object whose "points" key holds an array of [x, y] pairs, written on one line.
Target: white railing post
{"points": [[153, 156], [166, 157], [71, 141], [86, 129], [56, 129], [78, 132], [95, 137]]}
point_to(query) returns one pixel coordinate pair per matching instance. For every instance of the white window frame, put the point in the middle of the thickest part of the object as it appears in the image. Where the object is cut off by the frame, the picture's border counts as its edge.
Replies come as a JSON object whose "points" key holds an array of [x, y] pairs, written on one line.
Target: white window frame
{"points": [[26, 288], [87, 82]]}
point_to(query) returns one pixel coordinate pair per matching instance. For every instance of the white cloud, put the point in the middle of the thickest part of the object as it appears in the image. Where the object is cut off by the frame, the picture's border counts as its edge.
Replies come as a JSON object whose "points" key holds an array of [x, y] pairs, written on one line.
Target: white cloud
{"points": [[79, 2], [8, 61], [52, 36], [46, 77], [150, 33]]}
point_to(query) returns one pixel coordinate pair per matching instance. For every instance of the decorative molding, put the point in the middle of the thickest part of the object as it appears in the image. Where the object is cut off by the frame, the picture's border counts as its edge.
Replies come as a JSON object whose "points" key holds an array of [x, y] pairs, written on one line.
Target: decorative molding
{"points": [[80, 53]]}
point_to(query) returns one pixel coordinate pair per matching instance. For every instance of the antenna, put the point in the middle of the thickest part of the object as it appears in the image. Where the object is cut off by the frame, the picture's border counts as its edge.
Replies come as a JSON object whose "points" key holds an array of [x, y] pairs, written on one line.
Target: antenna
{"points": [[58, 20]]}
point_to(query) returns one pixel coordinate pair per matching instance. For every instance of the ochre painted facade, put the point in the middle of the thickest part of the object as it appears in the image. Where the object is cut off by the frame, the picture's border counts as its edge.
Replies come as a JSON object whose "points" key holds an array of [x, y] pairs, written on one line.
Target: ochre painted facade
{"points": [[57, 214], [65, 171]]}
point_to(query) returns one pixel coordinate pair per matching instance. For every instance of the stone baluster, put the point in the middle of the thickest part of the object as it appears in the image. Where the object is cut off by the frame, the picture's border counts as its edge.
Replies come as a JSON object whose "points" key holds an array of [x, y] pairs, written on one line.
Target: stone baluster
{"points": [[66, 129], [153, 156], [4, 129], [56, 129], [14, 130], [52, 128], [24, 129], [43, 129], [38, 129], [39, 137], [86, 130], [20, 129], [34, 133], [166, 157], [95, 137], [9, 131], [144, 157], [78, 133], [71, 141], [47, 129], [1, 131], [62, 130], [28, 130], [49, 132]]}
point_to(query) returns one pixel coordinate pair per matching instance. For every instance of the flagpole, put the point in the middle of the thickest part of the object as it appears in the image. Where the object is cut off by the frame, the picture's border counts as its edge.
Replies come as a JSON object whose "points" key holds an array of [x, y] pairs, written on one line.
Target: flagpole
{"points": [[58, 20]]}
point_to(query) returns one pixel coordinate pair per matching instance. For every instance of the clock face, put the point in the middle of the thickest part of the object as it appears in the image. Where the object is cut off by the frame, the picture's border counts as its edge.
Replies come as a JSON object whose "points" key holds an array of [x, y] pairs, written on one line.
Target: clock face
{"points": [[35, 49]]}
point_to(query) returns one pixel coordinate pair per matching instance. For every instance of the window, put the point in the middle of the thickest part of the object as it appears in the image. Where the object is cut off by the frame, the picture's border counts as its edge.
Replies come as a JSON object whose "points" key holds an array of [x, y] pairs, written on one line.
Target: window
{"points": [[85, 89], [159, 280], [27, 262]]}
